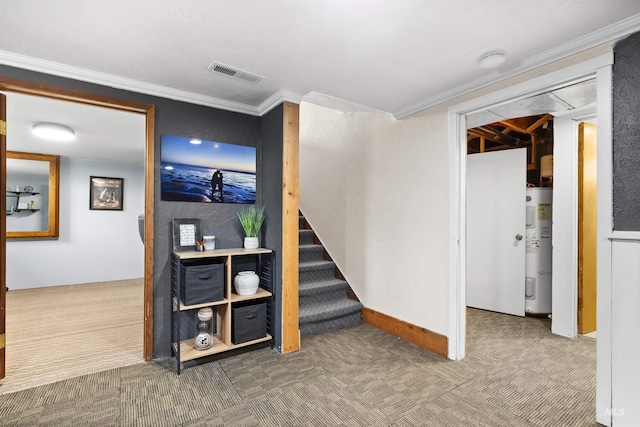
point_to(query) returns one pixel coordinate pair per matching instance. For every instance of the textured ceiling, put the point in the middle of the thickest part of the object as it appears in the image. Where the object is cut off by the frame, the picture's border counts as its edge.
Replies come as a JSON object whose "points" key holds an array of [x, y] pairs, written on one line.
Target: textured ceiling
{"points": [[102, 134], [392, 56], [370, 54]]}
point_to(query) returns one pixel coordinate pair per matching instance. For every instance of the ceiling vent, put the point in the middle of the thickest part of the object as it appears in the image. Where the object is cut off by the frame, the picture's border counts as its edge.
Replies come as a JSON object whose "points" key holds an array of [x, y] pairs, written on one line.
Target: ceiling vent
{"points": [[216, 67]]}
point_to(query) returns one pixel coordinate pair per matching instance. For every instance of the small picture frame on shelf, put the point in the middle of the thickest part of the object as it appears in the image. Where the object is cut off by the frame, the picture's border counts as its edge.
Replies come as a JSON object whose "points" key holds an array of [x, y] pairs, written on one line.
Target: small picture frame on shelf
{"points": [[187, 233], [105, 194]]}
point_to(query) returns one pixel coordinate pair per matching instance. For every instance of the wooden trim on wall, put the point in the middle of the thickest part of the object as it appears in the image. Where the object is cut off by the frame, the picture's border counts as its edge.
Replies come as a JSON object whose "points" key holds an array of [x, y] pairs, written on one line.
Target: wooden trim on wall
{"points": [[3, 232], [149, 231], [290, 235], [587, 227], [54, 92], [63, 94], [422, 337]]}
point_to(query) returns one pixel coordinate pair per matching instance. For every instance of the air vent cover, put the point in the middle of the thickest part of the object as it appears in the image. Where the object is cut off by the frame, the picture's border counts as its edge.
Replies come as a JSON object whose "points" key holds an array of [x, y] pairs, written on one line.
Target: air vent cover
{"points": [[216, 67]]}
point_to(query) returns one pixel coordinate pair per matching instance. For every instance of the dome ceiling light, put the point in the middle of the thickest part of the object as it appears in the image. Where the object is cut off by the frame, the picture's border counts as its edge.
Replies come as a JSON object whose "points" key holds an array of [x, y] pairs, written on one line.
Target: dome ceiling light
{"points": [[53, 131], [492, 60]]}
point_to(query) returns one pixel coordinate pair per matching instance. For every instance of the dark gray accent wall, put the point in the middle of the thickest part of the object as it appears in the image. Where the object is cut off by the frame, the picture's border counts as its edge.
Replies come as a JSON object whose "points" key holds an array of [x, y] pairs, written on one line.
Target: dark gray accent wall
{"points": [[271, 189], [626, 134], [190, 120], [220, 220]]}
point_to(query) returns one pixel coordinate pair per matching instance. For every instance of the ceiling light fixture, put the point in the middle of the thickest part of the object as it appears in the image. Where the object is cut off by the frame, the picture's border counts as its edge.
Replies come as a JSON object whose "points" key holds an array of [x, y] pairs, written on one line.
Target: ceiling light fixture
{"points": [[492, 60], [53, 131], [195, 141]]}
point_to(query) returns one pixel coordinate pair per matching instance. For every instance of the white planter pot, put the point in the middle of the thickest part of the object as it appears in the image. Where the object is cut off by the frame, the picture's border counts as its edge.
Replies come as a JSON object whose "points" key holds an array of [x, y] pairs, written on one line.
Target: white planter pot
{"points": [[246, 282], [251, 243]]}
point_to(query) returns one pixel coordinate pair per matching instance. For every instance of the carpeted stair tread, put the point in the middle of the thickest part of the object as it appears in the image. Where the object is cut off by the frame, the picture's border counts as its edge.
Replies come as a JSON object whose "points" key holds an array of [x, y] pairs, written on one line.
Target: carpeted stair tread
{"points": [[348, 321], [311, 253], [310, 247], [323, 301], [328, 310], [317, 287], [305, 237], [316, 265]]}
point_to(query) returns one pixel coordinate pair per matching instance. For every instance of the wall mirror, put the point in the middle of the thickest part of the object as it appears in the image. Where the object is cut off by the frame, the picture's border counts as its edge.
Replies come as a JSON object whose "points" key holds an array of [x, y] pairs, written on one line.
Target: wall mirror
{"points": [[32, 195]]}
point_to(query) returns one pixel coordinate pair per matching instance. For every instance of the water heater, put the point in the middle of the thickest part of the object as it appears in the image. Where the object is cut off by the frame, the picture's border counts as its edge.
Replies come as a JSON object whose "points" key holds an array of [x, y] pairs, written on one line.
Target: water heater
{"points": [[546, 170], [538, 251]]}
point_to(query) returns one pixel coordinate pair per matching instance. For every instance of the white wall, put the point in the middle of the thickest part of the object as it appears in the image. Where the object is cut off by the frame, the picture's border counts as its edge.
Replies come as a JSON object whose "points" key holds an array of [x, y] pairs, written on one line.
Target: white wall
{"points": [[93, 246], [625, 283], [376, 192]]}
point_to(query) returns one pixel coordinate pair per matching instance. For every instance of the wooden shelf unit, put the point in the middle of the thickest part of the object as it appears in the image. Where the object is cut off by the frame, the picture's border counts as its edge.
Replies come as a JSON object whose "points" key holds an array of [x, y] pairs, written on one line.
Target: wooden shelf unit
{"points": [[183, 348]]}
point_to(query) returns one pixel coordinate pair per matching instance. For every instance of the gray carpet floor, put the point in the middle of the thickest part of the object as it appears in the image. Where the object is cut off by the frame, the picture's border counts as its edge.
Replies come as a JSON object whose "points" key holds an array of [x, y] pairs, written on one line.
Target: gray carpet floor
{"points": [[515, 374]]}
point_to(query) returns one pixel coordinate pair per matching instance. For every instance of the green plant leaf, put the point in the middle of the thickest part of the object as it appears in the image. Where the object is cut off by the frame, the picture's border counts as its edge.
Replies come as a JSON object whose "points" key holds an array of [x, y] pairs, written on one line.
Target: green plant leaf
{"points": [[251, 220]]}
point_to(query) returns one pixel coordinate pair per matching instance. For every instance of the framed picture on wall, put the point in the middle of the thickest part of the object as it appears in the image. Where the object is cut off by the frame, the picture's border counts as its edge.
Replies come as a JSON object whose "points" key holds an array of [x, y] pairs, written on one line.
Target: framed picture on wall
{"points": [[186, 234], [194, 170], [105, 194]]}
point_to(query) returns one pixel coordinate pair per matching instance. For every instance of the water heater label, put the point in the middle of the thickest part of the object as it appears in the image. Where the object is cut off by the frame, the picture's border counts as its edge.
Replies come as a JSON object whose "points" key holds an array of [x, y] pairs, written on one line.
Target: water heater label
{"points": [[544, 211], [533, 247], [545, 231]]}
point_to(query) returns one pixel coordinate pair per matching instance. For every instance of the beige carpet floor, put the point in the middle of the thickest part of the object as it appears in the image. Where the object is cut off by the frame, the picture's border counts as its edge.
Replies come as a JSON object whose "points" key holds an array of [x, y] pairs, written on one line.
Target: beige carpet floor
{"points": [[516, 374], [62, 332]]}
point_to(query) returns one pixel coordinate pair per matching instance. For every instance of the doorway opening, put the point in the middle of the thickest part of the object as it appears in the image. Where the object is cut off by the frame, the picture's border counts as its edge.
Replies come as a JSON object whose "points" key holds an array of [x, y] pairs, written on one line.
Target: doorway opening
{"points": [[462, 116], [509, 216], [56, 93], [88, 281]]}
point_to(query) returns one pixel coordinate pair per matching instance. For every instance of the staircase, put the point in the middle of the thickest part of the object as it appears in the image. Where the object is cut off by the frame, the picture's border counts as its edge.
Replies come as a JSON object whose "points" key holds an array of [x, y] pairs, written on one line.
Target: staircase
{"points": [[324, 301]]}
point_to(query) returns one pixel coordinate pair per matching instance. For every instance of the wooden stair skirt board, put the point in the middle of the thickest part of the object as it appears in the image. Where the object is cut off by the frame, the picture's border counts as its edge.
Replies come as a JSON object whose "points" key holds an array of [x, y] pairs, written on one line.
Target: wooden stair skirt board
{"points": [[422, 337], [323, 294]]}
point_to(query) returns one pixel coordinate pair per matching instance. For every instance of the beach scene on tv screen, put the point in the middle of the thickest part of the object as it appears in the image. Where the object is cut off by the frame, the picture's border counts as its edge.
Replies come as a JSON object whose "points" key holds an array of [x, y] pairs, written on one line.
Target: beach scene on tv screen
{"points": [[194, 170]]}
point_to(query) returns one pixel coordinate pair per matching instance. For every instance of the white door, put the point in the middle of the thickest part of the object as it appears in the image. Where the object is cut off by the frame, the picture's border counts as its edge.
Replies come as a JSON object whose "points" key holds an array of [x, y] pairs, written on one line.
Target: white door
{"points": [[496, 209]]}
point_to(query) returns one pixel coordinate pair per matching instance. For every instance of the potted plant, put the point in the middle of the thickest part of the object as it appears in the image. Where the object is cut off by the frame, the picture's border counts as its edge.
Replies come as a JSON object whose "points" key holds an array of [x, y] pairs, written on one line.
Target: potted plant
{"points": [[251, 220]]}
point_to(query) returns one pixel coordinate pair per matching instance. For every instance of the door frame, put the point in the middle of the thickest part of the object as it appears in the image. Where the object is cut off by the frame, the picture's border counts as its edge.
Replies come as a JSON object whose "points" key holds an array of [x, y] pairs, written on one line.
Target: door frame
{"points": [[600, 68], [54, 92], [565, 241], [3, 235]]}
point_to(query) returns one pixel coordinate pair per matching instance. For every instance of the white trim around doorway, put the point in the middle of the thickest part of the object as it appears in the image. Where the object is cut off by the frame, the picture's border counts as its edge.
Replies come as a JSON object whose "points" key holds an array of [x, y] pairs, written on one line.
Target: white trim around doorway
{"points": [[600, 68]]}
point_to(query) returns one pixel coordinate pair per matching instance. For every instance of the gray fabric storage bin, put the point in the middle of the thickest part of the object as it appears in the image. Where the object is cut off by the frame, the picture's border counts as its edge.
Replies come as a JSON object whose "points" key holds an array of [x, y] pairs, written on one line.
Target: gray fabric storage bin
{"points": [[249, 322], [201, 283]]}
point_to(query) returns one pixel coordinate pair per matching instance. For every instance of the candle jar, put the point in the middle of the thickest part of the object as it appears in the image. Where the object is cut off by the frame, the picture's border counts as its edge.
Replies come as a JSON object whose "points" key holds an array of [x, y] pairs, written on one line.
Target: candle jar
{"points": [[204, 339]]}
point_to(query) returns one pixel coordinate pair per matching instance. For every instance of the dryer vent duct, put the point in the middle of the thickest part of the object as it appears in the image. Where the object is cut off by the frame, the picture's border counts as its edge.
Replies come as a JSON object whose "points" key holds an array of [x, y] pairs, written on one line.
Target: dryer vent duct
{"points": [[216, 67]]}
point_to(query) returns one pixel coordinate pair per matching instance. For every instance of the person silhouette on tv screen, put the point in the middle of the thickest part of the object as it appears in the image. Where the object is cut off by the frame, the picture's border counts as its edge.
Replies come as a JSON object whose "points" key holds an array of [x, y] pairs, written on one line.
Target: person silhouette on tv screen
{"points": [[216, 183]]}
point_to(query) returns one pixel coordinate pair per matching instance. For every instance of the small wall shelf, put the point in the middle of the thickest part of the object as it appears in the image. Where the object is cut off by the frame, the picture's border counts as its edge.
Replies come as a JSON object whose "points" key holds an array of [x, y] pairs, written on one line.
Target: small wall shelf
{"points": [[22, 193], [182, 341], [17, 195], [22, 210]]}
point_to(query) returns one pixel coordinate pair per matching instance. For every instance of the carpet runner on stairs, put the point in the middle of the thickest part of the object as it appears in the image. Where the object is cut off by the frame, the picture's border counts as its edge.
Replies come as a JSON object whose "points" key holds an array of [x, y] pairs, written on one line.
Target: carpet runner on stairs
{"points": [[323, 301]]}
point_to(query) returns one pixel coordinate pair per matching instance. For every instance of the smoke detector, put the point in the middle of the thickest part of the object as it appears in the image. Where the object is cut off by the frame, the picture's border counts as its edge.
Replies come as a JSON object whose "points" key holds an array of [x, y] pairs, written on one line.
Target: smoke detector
{"points": [[227, 70], [492, 60]]}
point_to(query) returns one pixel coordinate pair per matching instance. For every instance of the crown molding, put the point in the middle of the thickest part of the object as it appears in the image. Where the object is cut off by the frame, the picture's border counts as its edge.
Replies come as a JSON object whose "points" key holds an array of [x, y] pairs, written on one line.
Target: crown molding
{"points": [[339, 104], [104, 79], [277, 99], [609, 34]]}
